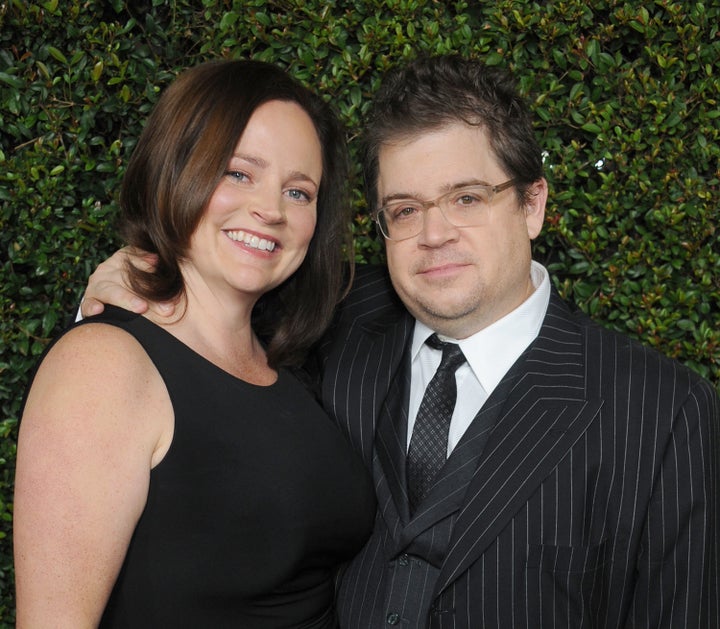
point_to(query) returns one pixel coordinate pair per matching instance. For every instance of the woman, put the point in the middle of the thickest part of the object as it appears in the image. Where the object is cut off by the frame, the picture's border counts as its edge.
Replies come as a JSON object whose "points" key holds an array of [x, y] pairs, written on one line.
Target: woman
{"points": [[176, 474]]}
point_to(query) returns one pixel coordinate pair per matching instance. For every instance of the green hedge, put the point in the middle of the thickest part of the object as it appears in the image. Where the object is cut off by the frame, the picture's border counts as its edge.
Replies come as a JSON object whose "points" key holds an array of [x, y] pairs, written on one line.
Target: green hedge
{"points": [[626, 97]]}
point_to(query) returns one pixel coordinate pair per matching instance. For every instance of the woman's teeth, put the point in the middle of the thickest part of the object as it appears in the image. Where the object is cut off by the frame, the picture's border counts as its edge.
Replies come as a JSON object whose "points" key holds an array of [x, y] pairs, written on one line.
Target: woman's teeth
{"points": [[251, 241]]}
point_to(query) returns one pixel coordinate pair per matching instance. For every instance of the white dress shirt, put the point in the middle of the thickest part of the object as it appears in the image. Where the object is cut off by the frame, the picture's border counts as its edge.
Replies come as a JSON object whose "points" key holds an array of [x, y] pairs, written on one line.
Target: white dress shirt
{"points": [[490, 353]]}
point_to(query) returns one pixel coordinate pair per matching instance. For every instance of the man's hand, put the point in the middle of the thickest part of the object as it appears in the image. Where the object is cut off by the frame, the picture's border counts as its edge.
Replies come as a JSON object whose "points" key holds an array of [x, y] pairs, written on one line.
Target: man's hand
{"points": [[108, 285]]}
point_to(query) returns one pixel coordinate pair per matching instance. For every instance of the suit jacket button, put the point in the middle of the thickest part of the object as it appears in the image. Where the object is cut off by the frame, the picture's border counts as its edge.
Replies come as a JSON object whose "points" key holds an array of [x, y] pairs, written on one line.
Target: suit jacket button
{"points": [[404, 560], [393, 619]]}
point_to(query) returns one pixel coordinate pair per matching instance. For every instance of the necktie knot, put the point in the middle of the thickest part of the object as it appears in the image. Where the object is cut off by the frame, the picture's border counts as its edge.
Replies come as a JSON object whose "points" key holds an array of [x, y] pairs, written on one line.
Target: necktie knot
{"points": [[452, 355]]}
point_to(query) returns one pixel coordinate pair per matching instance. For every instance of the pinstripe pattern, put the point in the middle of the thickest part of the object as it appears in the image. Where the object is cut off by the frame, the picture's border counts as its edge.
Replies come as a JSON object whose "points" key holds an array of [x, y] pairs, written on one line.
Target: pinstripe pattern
{"points": [[585, 493]]}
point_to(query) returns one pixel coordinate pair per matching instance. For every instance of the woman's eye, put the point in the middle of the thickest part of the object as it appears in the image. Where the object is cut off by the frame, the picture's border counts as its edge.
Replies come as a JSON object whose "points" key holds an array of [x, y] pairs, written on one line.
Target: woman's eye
{"points": [[298, 195], [237, 175]]}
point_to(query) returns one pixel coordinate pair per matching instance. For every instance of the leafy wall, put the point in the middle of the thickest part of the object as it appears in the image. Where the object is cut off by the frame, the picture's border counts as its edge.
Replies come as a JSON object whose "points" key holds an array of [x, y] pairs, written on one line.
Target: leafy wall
{"points": [[625, 95]]}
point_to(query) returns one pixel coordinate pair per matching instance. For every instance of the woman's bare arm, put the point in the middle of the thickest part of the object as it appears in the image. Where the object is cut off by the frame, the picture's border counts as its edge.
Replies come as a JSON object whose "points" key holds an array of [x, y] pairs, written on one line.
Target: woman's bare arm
{"points": [[97, 419]]}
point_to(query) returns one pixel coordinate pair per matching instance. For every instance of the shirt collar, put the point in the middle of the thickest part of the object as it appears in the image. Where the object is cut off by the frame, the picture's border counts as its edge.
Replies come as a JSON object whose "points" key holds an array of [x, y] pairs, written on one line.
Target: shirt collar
{"points": [[493, 350]]}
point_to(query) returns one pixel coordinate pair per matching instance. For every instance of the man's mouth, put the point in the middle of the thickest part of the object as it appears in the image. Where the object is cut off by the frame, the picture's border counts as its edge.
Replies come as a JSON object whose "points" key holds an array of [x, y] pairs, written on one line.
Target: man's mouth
{"points": [[441, 268], [251, 240]]}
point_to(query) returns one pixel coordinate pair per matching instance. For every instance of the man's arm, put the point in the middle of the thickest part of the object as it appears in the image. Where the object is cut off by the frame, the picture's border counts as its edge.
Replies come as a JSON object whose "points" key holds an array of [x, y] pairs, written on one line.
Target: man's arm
{"points": [[679, 571], [108, 285]]}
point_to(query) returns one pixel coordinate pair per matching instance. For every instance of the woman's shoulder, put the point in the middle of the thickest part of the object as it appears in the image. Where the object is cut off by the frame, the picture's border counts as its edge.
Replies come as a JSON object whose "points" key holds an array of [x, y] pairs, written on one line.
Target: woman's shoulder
{"points": [[93, 358], [93, 339], [97, 379]]}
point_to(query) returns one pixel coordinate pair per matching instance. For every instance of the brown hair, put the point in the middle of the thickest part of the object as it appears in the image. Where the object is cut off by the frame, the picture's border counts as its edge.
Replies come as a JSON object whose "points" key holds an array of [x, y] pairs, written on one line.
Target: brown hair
{"points": [[431, 92], [178, 162]]}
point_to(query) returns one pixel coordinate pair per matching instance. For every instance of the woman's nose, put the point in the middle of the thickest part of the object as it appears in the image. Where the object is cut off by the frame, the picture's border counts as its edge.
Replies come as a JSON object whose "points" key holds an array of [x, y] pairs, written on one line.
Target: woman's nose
{"points": [[269, 208]]}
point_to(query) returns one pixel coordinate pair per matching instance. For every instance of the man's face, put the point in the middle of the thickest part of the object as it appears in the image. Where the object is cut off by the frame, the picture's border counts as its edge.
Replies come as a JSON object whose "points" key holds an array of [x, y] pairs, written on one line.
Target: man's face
{"points": [[458, 280]]}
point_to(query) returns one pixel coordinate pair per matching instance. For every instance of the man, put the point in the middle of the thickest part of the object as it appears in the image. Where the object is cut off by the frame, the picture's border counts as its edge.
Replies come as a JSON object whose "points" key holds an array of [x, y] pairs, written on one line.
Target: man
{"points": [[577, 480]]}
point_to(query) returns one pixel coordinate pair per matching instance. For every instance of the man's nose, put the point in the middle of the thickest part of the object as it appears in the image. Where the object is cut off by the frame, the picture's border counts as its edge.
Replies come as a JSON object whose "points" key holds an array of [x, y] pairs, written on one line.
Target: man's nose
{"points": [[436, 229]]}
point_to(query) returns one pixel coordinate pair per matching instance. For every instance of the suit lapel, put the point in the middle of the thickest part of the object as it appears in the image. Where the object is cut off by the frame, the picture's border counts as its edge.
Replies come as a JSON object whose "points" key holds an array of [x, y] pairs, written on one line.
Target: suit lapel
{"points": [[359, 373], [541, 411], [391, 438]]}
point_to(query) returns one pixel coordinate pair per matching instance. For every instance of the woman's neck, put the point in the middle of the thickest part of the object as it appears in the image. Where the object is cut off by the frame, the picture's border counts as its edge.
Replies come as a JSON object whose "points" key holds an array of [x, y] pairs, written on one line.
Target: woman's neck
{"points": [[220, 330]]}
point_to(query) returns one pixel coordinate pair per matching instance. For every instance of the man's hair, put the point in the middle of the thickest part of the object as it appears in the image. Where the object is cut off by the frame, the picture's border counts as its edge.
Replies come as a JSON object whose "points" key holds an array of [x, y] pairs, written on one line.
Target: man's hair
{"points": [[430, 93], [180, 158]]}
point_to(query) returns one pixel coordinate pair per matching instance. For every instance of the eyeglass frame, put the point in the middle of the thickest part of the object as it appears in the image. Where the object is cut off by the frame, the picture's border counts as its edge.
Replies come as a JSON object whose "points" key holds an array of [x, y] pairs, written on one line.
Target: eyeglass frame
{"points": [[437, 202]]}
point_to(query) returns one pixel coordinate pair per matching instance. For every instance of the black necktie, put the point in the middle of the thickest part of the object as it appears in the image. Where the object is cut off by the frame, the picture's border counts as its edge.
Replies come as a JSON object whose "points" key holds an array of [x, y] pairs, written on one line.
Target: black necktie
{"points": [[428, 444]]}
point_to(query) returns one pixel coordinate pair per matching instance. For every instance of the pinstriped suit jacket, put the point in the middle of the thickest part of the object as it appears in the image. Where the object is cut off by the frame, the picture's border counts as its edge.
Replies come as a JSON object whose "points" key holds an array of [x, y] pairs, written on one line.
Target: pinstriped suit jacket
{"points": [[585, 493]]}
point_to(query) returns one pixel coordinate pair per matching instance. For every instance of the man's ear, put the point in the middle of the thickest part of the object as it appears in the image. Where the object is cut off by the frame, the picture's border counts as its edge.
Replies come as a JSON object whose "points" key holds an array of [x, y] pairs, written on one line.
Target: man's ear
{"points": [[535, 207]]}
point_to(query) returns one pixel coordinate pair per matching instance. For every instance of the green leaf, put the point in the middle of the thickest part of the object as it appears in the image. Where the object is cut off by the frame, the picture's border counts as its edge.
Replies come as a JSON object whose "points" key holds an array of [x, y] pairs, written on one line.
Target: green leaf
{"points": [[97, 71], [591, 127], [11, 80], [56, 54], [228, 20]]}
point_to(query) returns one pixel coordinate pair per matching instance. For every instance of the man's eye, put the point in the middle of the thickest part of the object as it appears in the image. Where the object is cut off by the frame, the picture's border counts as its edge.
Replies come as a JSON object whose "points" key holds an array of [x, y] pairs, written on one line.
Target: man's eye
{"points": [[468, 199], [404, 211]]}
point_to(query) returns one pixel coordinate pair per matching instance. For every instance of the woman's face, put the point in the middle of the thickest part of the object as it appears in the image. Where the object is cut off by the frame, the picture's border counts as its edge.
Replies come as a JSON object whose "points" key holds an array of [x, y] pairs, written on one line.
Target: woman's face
{"points": [[260, 219]]}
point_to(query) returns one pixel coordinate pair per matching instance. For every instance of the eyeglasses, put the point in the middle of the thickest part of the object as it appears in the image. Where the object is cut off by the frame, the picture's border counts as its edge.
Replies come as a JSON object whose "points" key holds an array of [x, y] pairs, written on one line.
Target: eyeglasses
{"points": [[464, 207]]}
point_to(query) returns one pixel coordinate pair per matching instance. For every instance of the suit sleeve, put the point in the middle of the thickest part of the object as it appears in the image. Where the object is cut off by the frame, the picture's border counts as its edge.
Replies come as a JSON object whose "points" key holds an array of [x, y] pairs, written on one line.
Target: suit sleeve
{"points": [[678, 581]]}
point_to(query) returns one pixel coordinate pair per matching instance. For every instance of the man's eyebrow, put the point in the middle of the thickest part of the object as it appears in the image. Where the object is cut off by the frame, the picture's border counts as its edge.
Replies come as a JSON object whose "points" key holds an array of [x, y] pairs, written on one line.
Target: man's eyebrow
{"points": [[404, 196]]}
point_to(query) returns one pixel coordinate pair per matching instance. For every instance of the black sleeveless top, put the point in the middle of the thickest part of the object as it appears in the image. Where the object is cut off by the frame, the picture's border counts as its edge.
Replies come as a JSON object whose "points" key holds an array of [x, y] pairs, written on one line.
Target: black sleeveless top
{"points": [[256, 503]]}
